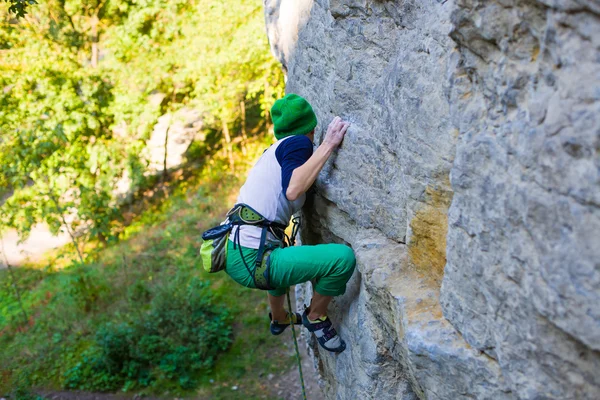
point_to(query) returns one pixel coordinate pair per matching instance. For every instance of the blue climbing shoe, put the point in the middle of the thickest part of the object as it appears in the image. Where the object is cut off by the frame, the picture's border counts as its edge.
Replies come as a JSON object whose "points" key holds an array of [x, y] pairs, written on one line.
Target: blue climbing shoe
{"points": [[277, 327], [325, 333]]}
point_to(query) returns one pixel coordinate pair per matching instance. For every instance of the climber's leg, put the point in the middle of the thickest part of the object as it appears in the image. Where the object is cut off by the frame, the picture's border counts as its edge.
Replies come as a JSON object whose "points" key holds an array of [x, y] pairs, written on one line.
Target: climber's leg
{"points": [[280, 318], [330, 266], [277, 309], [318, 306], [235, 264]]}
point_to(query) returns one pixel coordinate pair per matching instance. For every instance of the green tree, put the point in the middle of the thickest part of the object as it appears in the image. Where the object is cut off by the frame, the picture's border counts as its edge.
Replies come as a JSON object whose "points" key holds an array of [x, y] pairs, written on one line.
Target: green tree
{"points": [[83, 82]]}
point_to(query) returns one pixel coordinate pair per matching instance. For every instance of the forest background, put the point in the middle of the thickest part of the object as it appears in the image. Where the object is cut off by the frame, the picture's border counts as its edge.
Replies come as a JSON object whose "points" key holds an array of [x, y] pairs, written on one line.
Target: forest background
{"points": [[125, 307]]}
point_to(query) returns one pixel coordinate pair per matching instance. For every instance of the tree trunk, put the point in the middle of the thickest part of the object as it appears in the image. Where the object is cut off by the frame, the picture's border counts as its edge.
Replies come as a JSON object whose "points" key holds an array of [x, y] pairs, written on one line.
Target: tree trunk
{"points": [[164, 174], [244, 136], [64, 221], [228, 145]]}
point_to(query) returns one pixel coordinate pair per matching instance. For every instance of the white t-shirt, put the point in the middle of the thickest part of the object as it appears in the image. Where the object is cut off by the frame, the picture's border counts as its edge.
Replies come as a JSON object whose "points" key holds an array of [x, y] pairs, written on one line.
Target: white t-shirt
{"points": [[267, 182]]}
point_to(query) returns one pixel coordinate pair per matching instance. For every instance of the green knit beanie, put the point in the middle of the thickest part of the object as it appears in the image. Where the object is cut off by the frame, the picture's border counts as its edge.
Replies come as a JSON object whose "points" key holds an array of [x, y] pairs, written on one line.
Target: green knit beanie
{"points": [[292, 115]]}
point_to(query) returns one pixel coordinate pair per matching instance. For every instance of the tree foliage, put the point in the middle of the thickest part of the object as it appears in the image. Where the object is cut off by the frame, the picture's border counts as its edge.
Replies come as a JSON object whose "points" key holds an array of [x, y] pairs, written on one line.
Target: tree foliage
{"points": [[19, 7], [82, 83]]}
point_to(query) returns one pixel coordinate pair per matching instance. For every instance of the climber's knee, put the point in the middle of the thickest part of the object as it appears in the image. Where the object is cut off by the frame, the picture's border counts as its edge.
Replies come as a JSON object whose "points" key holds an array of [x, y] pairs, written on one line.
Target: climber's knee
{"points": [[347, 261]]}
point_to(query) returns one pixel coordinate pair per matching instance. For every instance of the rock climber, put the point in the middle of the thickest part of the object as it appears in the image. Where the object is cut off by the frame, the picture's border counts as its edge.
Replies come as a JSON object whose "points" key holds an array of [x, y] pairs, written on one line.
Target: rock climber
{"points": [[276, 189]]}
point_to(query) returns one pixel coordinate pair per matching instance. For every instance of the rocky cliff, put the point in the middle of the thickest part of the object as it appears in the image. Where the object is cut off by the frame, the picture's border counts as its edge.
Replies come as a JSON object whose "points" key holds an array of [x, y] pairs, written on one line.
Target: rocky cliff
{"points": [[468, 186]]}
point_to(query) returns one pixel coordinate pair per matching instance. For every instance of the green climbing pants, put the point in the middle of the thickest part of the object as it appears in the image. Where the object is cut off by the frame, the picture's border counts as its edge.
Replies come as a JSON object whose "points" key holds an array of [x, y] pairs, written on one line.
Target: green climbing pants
{"points": [[329, 265]]}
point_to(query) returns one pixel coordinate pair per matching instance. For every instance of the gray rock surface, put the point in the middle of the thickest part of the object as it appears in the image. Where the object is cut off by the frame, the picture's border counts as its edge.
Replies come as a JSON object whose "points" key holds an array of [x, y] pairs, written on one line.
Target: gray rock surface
{"points": [[468, 186], [525, 218], [173, 134], [168, 143]]}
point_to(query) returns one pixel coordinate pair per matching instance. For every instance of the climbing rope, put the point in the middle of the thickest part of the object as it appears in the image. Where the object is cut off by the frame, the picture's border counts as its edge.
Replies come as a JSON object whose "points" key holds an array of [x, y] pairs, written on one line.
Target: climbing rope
{"points": [[292, 312]]}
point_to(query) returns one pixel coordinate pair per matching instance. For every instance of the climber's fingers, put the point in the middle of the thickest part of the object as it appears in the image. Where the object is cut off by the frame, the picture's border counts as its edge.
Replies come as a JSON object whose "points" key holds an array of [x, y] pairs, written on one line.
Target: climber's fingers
{"points": [[333, 125], [336, 131], [345, 128]]}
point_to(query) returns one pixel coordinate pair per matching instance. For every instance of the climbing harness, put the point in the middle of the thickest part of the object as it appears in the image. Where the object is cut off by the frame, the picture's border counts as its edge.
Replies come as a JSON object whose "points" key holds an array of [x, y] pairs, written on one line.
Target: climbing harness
{"points": [[243, 214], [296, 347]]}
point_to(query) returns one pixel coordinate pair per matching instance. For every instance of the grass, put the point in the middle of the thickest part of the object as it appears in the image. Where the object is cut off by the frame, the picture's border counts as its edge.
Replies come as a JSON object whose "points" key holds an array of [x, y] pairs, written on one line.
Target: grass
{"points": [[67, 302]]}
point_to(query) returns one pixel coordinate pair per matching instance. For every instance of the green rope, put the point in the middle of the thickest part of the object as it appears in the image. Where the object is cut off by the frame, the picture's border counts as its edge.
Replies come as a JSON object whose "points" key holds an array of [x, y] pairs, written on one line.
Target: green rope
{"points": [[292, 313]]}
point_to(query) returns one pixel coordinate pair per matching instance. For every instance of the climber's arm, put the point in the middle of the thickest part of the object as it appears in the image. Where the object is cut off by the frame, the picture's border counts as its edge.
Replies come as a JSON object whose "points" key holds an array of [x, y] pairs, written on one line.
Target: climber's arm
{"points": [[304, 176]]}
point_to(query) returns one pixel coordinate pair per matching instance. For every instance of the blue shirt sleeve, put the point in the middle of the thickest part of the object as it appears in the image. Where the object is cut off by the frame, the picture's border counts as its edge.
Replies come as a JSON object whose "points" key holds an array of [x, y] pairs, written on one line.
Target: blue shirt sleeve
{"points": [[291, 154]]}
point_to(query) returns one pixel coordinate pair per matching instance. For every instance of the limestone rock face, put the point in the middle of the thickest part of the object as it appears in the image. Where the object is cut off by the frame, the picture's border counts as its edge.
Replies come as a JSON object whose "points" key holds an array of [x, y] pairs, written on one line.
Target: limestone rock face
{"points": [[522, 282], [171, 138], [468, 186], [172, 134]]}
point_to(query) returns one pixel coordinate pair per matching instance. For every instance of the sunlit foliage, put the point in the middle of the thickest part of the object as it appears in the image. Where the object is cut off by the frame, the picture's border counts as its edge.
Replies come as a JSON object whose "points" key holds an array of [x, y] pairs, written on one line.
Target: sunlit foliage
{"points": [[82, 82]]}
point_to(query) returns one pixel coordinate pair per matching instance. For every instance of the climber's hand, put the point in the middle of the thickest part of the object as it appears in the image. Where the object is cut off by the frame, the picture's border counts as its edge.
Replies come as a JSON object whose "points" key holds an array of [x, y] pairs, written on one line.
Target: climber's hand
{"points": [[336, 132]]}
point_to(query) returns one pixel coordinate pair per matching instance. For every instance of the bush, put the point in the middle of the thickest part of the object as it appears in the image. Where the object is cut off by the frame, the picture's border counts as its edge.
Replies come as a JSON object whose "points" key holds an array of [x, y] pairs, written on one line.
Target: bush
{"points": [[21, 391], [182, 333]]}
